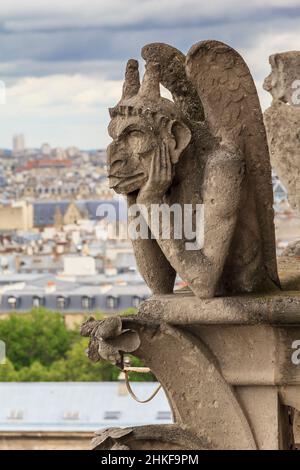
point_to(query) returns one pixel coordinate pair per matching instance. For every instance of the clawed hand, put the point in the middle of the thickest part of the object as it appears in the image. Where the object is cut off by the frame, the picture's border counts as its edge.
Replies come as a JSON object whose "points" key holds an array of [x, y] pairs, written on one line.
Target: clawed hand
{"points": [[160, 176]]}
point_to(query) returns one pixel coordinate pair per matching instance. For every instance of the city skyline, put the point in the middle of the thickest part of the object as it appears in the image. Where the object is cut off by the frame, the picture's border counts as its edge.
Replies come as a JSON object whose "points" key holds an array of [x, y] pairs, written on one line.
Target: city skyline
{"points": [[17, 136]]}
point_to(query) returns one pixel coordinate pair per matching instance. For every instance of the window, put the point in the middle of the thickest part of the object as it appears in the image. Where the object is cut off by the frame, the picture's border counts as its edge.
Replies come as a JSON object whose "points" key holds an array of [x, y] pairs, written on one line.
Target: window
{"points": [[86, 302], [62, 302], [163, 415], [15, 414], [71, 415], [112, 415], [136, 301], [37, 301], [12, 302], [112, 302]]}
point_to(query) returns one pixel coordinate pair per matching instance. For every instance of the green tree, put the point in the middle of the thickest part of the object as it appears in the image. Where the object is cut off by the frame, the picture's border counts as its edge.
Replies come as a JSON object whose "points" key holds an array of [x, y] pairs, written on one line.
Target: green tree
{"points": [[40, 348], [8, 372], [40, 336], [77, 367], [36, 372]]}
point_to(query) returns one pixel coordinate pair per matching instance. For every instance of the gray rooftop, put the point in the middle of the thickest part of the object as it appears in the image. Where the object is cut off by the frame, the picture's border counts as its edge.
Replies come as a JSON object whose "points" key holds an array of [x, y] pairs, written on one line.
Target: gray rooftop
{"points": [[44, 211], [81, 406], [25, 290]]}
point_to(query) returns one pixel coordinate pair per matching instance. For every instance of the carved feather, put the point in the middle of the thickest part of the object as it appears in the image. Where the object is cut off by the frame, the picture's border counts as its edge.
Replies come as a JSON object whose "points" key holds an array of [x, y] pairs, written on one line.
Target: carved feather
{"points": [[228, 94]]}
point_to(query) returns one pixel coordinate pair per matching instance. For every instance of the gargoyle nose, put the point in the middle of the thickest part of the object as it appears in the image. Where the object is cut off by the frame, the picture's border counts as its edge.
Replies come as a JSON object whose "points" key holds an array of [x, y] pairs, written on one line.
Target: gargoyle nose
{"points": [[268, 83], [115, 160], [111, 150], [112, 153]]}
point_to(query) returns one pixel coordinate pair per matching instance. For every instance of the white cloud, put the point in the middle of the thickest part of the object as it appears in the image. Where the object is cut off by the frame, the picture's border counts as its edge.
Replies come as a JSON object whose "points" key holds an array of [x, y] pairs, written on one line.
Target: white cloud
{"points": [[59, 88], [28, 67], [63, 109], [51, 93]]}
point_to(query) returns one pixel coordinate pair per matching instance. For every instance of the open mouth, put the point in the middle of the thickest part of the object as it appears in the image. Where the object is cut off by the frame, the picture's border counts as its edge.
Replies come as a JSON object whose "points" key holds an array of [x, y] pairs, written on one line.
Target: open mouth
{"points": [[116, 182]]}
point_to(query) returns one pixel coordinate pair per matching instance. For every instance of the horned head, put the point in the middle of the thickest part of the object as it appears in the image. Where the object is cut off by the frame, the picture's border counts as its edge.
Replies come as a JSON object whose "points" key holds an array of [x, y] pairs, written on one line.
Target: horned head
{"points": [[140, 122], [145, 97], [283, 81]]}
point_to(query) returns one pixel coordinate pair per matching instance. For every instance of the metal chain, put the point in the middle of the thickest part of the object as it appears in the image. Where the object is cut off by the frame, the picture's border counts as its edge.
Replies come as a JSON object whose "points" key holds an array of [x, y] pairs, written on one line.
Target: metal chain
{"points": [[131, 392]]}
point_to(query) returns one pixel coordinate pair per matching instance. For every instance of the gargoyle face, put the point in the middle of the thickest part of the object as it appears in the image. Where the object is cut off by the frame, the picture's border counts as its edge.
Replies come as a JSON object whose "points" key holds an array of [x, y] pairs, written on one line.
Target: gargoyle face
{"points": [[130, 154], [284, 77], [135, 141], [142, 123]]}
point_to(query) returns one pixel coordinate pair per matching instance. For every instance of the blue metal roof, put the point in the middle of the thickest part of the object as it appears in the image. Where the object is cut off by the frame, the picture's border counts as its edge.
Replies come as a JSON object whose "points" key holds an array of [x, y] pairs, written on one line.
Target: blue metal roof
{"points": [[78, 406], [44, 211]]}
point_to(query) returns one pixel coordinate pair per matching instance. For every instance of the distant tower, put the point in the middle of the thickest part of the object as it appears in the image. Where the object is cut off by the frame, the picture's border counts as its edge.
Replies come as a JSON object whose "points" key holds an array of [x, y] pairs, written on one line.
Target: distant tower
{"points": [[46, 150], [18, 144]]}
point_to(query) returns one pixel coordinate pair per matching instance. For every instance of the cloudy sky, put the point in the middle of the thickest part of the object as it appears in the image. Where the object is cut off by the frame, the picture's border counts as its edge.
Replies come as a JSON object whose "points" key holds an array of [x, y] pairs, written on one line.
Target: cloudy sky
{"points": [[63, 60]]}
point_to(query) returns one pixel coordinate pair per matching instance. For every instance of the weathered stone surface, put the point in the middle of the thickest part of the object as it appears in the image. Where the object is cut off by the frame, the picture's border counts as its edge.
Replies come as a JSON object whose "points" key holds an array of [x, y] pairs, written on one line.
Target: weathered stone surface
{"points": [[297, 428], [289, 269], [238, 375], [108, 340], [282, 81], [224, 361], [293, 249], [269, 417], [186, 309], [282, 121], [167, 152], [164, 437]]}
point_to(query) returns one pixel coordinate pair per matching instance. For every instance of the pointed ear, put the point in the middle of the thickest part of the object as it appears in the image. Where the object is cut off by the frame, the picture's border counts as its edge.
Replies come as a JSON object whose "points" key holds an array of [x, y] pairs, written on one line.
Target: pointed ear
{"points": [[179, 138]]}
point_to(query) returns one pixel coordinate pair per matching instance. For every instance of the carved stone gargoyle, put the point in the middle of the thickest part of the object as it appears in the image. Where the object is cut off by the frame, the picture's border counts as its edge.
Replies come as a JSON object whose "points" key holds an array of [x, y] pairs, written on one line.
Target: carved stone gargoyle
{"points": [[224, 364], [224, 361], [282, 121], [208, 146]]}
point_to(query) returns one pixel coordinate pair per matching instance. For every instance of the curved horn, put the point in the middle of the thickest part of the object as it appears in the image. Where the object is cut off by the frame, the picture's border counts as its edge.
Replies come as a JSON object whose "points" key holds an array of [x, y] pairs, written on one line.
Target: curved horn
{"points": [[150, 85], [132, 80]]}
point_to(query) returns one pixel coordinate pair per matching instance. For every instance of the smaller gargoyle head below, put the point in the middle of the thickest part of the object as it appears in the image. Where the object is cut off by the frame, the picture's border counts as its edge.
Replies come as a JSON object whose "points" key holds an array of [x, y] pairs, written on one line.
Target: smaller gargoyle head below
{"points": [[284, 80], [108, 339], [141, 123]]}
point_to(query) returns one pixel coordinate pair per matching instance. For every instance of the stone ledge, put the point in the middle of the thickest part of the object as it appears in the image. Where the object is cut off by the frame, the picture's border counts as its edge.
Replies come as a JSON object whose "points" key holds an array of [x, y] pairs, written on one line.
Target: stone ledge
{"points": [[183, 308]]}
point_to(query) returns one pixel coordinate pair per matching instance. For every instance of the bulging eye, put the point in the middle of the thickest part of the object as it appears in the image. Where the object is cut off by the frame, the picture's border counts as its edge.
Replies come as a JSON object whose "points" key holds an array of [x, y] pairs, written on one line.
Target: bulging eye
{"points": [[136, 134], [137, 141]]}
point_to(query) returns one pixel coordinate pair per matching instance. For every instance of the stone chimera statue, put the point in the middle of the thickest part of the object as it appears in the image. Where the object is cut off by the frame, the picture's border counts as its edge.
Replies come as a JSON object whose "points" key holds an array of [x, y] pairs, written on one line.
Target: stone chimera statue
{"points": [[223, 360], [176, 151]]}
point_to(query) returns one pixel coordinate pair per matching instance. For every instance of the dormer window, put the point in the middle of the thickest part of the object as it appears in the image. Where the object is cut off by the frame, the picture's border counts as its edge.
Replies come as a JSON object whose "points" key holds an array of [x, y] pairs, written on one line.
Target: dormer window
{"points": [[164, 415], [112, 302], [37, 301], [112, 415], [86, 302], [15, 414], [62, 302], [71, 415], [13, 302]]}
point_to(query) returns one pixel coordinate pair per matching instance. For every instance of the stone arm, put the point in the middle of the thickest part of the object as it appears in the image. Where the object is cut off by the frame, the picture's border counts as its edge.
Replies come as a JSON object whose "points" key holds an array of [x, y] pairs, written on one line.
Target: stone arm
{"points": [[151, 261], [202, 268]]}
